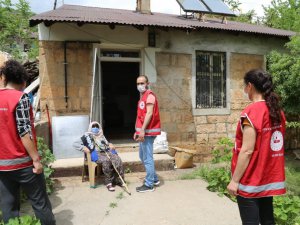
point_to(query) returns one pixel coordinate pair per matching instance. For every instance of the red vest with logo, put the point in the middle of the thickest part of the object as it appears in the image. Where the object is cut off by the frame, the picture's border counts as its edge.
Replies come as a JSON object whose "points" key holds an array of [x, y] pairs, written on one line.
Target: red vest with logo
{"points": [[264, 175], [153, 128], [13, 155]]}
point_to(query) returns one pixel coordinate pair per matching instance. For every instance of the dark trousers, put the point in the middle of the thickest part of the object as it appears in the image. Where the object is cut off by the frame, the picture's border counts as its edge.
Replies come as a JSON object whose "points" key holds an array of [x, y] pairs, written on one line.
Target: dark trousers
{"points": [[255, 211], [34, 187]]}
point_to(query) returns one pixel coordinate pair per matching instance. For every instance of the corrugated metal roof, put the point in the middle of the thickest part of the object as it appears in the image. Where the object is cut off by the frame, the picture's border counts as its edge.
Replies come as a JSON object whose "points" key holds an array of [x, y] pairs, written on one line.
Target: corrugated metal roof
{"points": [[84, 14]]}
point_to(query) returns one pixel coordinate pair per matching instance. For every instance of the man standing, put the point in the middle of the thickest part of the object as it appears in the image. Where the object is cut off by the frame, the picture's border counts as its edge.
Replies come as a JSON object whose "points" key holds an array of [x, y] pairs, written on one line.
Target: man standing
{"points": [[147, 127], [20, 164]]}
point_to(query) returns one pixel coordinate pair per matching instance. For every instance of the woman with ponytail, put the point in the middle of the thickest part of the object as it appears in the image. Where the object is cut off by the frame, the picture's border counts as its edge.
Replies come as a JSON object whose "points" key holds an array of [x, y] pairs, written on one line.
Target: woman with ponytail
{"points": [[258, 156]]}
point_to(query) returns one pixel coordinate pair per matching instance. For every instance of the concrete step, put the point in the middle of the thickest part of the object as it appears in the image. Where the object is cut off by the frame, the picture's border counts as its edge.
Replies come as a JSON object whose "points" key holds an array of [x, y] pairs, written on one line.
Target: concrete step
{"points": [[131, 163], [127, 147]]}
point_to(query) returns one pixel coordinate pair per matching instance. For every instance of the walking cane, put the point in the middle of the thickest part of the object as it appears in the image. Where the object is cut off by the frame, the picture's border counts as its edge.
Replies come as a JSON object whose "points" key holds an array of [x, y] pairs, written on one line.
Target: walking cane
{"points": [[123, 182]]}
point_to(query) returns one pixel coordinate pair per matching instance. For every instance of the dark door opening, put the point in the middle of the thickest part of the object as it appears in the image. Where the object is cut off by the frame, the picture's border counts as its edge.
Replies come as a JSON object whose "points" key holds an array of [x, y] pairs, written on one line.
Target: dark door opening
{"points": [[120, 98]]}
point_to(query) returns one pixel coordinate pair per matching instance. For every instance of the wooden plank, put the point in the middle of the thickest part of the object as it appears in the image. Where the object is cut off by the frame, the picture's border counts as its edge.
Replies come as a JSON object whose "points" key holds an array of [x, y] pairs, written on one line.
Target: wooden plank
{"points": [[32, 86]]}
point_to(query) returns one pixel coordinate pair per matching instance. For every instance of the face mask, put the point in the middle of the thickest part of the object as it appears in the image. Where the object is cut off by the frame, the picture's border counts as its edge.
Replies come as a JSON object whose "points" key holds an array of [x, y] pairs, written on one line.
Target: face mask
{"points": [[141, 88], [95, 130]]}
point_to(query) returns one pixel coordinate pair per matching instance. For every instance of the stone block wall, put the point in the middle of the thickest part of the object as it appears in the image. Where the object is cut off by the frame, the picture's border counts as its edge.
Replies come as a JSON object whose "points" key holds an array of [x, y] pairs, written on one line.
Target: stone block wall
{"points": [[173, 92], [79, 76], [211, 128]]}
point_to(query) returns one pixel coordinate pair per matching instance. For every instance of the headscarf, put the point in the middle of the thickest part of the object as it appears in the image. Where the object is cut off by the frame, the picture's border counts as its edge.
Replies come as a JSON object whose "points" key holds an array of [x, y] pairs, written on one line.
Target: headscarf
{"points": [[100, 133], [98, 138]]}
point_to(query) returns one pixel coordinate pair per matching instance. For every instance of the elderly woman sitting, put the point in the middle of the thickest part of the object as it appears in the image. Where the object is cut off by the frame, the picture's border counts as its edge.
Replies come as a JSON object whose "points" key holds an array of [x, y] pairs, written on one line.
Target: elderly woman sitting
{"points": [[95, 143]]}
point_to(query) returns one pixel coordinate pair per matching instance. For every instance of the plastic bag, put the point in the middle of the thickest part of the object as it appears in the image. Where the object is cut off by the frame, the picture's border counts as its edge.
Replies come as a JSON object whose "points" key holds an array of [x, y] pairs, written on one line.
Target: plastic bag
{"points": [[160, 144]]}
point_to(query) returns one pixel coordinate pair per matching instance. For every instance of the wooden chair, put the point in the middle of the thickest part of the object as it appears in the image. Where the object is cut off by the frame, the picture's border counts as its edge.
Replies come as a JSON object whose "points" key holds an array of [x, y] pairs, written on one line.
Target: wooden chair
{"points": [[90, 167]]}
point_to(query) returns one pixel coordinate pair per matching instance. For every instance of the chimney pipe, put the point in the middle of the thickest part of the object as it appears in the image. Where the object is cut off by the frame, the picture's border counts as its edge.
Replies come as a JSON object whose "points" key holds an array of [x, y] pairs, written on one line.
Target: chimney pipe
{"points": [[143, 6]]}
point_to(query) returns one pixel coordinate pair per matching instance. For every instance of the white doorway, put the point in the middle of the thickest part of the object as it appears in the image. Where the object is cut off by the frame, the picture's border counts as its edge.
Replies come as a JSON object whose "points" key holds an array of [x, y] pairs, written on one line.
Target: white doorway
{"points": [[115, 95]]}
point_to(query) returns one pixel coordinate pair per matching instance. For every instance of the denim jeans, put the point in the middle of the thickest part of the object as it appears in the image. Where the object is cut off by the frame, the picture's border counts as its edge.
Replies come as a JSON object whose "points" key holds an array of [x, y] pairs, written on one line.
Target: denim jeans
{"points": [[146, 156]]}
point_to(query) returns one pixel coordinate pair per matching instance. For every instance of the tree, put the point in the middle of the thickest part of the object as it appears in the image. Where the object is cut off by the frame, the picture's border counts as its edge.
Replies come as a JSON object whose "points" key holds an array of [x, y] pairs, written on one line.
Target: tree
{"points": [[285, 67], [248, 17], [285, 70], [283, 14], [14, 29]]}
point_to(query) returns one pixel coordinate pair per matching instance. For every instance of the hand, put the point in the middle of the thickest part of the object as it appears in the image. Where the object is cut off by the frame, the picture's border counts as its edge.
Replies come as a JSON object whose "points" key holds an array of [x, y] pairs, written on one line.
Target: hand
{"points": [[86, 150], [135, 136], [141, 137], [111, 146], [233, 188], [37, 167]]}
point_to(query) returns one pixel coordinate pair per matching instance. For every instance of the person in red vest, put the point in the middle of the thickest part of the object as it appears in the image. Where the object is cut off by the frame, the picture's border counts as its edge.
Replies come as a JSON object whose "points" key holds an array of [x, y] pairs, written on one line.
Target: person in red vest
{"points": [[20, 164], [147, 127], [258, 156]]}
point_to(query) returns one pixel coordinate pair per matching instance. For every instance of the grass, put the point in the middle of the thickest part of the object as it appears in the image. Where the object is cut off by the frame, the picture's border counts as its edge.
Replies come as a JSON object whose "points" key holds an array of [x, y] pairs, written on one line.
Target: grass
{"points": [[113, 205], [120, 195], [292, 173], [196, 174]]}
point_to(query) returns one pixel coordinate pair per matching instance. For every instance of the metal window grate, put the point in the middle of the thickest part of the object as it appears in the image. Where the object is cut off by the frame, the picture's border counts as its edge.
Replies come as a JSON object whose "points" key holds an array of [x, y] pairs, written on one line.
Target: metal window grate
{"points": [[210, 80]]}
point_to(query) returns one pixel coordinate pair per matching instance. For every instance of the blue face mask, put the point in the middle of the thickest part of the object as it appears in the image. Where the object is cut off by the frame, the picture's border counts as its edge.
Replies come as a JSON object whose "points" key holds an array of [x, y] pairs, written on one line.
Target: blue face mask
{"points": [[95, 130]]}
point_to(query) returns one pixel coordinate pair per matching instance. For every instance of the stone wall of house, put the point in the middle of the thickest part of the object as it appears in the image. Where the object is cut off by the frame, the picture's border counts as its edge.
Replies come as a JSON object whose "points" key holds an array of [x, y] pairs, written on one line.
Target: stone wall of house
{"points": [[52, 75], [172, 88], [211, 128], [173, 91]]}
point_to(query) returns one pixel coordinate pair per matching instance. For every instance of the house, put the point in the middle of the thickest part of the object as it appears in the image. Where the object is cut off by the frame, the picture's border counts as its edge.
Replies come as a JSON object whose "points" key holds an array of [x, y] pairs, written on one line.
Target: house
{"points": [[90, 58]]}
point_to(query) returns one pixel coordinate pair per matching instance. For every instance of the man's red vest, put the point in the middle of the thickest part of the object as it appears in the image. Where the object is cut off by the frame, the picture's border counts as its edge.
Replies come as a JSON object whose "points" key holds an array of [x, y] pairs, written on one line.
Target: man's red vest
{"points": [[153, 128], [13, 155], [264, 175]]}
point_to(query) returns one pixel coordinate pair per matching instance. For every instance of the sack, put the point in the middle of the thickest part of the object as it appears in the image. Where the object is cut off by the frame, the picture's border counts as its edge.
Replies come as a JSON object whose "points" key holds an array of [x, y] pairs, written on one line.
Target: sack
{"points": [[160, 144], [184, 160]]}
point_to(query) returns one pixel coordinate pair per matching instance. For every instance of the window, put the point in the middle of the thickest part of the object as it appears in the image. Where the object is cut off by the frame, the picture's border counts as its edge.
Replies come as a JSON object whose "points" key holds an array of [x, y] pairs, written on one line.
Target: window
{"points": [[210, 80]]}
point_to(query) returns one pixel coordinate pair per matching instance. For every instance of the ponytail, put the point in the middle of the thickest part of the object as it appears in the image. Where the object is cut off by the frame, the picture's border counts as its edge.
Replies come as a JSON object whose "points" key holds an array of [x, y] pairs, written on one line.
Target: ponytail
{"points": [[262, 82]]}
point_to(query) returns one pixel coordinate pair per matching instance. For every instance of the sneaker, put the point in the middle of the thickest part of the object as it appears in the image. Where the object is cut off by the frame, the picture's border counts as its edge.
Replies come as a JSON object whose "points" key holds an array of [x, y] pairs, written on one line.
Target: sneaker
{"points": [[155, 183], [144, 188]]}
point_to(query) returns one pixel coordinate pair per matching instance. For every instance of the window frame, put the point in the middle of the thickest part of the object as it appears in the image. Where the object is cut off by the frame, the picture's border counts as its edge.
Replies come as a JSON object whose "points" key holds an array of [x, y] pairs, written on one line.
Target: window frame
{"points": [[211, 111]]}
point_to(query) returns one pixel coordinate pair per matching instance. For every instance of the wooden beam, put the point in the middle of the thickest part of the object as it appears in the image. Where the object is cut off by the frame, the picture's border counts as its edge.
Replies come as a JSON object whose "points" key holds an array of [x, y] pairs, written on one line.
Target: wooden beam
{"points": [[49, 23], [80, 24], [112, 26], [139, 27]]}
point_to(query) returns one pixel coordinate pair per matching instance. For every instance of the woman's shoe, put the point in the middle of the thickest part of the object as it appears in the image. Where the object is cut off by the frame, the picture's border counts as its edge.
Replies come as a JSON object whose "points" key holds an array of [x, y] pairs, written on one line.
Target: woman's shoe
{"points": [[110, 187], [120, 184]]}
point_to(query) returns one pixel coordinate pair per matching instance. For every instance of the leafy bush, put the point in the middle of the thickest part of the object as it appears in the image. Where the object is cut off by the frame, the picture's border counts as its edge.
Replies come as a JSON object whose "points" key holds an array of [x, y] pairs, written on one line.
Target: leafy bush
{"points": [[293, 124], [223, 151], [46, 158], [286, 210], [23, 220], [217, 179]]}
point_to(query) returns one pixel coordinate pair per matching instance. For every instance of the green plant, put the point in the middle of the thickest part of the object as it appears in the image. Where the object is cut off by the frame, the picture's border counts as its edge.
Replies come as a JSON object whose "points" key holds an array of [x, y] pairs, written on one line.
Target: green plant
{"points": [[217, 180], [120, 196], [23, 220], [15, 29], [46, 158], [293, 124], [286, 210], [223, 151], [128, 170], [113, 205]]}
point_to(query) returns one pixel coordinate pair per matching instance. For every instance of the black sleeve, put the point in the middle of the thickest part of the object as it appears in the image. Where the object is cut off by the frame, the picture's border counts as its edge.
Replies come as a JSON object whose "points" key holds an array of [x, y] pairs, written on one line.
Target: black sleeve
{"points": [[88, 142]]}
